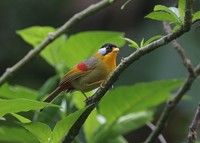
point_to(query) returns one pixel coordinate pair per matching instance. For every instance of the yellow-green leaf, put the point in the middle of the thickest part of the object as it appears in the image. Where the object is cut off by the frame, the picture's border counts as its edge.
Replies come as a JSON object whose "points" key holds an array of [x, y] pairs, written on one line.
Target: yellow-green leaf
{"points": [[21, 105]]}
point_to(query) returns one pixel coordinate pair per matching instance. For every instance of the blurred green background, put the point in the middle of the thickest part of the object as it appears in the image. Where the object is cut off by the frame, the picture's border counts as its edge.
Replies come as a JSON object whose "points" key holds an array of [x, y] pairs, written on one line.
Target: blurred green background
{"points": [[163, 63]]}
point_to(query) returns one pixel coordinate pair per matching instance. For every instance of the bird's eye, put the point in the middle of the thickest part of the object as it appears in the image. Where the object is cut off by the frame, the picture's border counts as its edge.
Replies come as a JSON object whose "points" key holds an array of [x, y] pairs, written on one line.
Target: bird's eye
{"points": [[106, 48], [109, 49]]}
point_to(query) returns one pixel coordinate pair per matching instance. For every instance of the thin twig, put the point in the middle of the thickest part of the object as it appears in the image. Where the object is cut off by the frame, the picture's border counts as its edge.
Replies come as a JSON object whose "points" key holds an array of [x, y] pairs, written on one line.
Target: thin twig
{"points": [[186, 61], [52, 36], [160, 137], [192, 135]]}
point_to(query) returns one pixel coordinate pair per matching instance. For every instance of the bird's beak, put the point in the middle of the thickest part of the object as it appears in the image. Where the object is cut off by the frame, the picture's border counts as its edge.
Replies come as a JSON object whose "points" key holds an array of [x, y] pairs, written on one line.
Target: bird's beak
{"points": [[116, 50]]}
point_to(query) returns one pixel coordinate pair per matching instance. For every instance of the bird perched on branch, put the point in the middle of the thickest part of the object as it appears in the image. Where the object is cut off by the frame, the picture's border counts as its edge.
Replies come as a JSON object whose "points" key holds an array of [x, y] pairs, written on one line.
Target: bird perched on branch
{"points": [[88, 74]]}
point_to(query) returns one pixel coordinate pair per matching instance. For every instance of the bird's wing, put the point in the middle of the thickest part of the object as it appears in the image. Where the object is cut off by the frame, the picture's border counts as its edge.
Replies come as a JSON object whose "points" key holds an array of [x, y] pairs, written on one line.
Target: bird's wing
{"points": [[81, 69]]}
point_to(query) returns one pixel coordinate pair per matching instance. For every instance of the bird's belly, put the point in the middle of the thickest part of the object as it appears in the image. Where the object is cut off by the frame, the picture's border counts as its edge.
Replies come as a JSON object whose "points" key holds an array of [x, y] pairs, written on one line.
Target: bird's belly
{"points": [[90, 81]]}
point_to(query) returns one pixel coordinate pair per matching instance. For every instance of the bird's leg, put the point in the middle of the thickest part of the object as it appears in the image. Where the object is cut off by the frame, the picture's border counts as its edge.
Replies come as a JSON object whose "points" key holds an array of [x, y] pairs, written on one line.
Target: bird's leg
{"points": [[100, 83], [84, 95], [94, 84]]}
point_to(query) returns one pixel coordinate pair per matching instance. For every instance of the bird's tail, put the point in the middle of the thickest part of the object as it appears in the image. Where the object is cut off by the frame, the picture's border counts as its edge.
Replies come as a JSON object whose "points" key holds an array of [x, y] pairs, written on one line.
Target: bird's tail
{"points": [[53, 94]]}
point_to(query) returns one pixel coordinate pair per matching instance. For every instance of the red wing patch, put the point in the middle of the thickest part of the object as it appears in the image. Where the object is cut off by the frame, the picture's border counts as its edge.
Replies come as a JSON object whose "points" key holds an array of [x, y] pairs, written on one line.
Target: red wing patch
{"points": [[81, 66]]}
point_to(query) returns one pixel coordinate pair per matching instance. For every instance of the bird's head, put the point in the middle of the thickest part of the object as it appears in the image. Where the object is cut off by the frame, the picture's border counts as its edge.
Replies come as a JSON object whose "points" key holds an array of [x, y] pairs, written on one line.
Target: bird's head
{"points": [[108, 49], [108, 54]]}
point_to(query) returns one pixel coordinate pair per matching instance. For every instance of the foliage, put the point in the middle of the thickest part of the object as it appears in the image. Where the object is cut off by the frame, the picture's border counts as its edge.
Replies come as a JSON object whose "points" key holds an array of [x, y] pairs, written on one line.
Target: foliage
{"points": [[172, 15], [133, 110], [142, 43], [123, 109], [133, 106], [134, 114]]}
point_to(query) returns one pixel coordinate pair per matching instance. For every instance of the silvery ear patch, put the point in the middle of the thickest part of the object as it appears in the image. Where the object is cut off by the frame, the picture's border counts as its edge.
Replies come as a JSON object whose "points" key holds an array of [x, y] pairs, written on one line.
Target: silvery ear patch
{"points": [[102, 51]]}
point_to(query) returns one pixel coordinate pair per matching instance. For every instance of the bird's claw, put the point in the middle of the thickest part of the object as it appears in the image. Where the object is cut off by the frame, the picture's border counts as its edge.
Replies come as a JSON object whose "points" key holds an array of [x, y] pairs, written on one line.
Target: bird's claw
{"points": [[101, 85], [88, 100]]}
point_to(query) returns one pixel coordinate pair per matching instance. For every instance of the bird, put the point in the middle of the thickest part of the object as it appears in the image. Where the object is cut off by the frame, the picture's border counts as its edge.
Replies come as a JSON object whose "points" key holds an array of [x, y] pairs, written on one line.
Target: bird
{"points": [[88, 74]]}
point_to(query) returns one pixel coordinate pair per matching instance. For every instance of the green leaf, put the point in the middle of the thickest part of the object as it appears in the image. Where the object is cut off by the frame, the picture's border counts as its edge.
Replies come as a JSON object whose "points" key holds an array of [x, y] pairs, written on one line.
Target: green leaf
{"points": [[19, 105], [118, 139], [181, 7], [176, 13], [36, 34], [132, 104], [51, 53], [40, 130], [196, 16], [130, 122], [132, 43], [142, 43], [172, 11], [63, 127], [175, 28], [162, 16], [122, 126], [152, 39], [162, 8], [21, 118], [138, 97], [16, 135], [13, 92]]}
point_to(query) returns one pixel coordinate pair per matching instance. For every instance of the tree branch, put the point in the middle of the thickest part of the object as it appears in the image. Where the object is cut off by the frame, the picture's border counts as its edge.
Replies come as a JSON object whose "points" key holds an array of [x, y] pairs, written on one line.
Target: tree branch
{"points": [[74, 130], [192, 135], [188, 15], [52, 36], [186, 61]]}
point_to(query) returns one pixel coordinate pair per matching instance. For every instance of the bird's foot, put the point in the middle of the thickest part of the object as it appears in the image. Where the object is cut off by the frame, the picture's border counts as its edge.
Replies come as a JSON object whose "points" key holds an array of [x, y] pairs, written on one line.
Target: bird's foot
{"points": [[88, 100], [84, 95], [102, 85]]}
